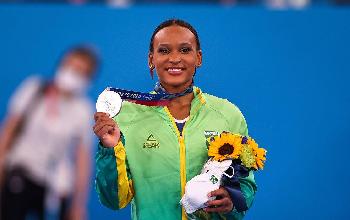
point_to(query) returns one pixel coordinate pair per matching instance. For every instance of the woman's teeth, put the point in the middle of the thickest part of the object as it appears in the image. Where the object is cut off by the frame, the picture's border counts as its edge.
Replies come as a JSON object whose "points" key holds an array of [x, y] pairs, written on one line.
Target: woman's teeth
{"points": [[174, 70]]}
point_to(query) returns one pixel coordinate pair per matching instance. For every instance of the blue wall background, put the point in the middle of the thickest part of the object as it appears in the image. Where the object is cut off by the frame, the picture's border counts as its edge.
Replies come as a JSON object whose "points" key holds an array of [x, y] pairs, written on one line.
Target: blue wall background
{"points": [[288, 71]]}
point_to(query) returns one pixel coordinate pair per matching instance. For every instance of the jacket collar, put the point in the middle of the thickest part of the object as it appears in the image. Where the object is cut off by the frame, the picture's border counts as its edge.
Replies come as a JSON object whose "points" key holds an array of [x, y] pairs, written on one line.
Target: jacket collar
{"points": [[196, 104]]}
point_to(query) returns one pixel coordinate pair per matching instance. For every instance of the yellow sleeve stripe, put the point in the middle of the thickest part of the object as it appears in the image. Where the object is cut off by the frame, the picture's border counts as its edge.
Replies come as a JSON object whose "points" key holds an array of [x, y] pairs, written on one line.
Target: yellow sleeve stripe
{"points": [[125, 186]]}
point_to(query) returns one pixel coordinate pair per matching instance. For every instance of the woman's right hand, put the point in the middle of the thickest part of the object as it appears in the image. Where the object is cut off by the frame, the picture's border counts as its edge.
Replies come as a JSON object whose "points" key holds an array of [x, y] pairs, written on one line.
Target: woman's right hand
{"points": [[106, 129]]}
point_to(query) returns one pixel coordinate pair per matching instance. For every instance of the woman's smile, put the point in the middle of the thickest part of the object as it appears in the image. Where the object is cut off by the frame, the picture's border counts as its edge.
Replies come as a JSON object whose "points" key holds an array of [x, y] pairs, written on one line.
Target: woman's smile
{"points": [[175, 71]]}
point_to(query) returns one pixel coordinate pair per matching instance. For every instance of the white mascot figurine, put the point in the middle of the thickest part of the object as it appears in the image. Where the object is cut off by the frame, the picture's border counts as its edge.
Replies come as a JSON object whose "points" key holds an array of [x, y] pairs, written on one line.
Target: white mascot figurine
{"points": [[197, 189]]}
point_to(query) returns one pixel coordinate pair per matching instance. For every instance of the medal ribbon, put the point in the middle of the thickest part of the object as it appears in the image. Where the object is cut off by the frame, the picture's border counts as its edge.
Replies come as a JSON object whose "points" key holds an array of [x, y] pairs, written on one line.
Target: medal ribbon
{"points": [[160, 98]]}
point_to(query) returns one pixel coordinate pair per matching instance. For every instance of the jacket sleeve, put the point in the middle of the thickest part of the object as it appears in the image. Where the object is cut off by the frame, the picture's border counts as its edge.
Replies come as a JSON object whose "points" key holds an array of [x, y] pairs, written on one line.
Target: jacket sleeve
{"points": [[247, 184], [113, 181]]}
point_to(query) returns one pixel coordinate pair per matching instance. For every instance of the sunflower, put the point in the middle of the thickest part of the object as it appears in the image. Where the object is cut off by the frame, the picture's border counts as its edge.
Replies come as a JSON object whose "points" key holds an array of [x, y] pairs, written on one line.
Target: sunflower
{"points": [[225, 146], [252, 156]]}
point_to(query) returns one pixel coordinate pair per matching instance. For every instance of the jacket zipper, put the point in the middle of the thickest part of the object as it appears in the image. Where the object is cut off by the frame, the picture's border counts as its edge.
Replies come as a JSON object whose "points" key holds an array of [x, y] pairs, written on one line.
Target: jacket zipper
{"points": [[181, 141]]}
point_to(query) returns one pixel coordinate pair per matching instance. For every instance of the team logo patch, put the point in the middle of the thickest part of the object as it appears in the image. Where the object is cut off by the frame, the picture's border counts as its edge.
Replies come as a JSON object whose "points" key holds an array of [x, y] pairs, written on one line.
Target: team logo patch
{"points": [[210, 134], [151, 142]]}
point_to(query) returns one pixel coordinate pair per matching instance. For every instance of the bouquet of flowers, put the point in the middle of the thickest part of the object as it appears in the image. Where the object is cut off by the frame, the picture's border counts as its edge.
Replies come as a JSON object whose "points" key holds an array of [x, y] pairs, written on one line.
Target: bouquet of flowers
{"points": [[231, 156]]}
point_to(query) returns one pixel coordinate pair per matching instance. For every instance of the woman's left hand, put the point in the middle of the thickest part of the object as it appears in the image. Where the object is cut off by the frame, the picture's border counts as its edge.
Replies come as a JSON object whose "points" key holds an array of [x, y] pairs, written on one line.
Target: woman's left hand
{"points": [[222, 203]]}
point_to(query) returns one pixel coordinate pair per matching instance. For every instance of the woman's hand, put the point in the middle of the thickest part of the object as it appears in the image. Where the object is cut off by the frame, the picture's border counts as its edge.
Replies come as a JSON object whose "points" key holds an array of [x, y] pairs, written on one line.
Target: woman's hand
{"points": [[222, 203], [106, 129]]}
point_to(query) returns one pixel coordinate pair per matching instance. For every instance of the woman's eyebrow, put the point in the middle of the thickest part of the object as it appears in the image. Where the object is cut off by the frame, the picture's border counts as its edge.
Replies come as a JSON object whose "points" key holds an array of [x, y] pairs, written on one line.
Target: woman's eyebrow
{"points": [[185, 44], [169, 45], [164, 45]]}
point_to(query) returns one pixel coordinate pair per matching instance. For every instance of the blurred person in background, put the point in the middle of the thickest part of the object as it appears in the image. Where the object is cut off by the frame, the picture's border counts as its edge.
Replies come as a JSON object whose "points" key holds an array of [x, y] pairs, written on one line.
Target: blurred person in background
{"points": [[288, 4], [46, 141]]}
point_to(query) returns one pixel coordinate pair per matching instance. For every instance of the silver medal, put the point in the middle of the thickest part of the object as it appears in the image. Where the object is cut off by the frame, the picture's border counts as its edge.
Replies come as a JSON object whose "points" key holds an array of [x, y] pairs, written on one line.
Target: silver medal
{"points": [[109, 102]]}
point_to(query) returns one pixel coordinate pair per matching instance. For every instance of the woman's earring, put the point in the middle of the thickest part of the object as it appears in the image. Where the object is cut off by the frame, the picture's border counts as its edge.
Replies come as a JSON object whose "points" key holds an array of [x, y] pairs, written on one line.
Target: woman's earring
{"points": [[151, 70], [195, 69]]}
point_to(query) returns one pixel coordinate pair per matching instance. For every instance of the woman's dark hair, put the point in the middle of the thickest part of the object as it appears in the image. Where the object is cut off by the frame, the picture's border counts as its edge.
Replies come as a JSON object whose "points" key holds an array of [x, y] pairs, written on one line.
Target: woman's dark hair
{"points": [[171, 22]]}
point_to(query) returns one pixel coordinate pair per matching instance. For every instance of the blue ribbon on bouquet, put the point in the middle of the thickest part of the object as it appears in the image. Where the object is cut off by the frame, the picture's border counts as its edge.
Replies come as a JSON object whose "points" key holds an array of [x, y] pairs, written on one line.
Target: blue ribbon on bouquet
{"points": [[233, 186], [160, 97]]}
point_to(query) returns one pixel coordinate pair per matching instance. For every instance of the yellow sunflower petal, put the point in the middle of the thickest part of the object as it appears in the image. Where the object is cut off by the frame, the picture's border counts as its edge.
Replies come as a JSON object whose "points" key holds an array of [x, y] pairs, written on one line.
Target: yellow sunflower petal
{"points": [[260, 164]]}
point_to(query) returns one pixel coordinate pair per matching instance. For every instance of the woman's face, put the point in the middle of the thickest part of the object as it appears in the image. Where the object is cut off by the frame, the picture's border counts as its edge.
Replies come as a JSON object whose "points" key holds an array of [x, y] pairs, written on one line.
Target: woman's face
{"points": [[175, 57]]}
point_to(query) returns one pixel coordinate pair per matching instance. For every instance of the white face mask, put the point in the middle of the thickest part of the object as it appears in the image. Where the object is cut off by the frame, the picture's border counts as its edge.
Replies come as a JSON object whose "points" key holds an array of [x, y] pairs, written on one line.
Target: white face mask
{"points": [[70, 81], [197, 189]]}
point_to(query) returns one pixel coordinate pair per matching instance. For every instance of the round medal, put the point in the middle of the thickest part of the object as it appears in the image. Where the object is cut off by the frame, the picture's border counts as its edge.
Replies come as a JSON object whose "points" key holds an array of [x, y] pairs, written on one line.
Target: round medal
{"points": [[109, 102]]}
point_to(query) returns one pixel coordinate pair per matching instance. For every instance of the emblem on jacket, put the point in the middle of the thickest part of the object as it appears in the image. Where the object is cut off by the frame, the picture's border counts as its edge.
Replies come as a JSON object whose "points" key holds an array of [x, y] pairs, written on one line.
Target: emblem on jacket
{"points": [[209, 134], [151, 142]]}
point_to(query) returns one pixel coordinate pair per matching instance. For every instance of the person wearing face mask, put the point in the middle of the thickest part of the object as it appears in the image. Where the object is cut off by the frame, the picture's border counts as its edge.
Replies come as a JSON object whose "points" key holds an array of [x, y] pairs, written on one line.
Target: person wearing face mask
{"points": [[47, 128], [147, 154]]}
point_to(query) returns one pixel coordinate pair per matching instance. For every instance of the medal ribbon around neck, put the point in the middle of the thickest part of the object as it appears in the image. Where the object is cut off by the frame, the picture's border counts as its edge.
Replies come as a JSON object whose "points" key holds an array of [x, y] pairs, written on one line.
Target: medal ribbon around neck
{"points": [[110, 100]]}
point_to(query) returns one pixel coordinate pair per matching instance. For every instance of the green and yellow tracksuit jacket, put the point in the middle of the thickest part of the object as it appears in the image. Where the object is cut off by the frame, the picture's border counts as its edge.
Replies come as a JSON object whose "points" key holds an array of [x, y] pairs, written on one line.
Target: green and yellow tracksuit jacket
{"points": [[150, 166]]}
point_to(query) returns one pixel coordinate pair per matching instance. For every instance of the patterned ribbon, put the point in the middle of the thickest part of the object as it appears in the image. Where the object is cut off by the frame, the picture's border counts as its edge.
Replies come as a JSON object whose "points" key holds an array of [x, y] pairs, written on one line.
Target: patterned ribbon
{"points": [[233, 187]]}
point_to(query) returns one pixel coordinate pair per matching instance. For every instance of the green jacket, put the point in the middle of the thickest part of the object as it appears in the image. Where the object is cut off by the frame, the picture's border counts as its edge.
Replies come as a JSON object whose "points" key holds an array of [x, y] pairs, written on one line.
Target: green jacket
{"points": [[152, 163]]}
